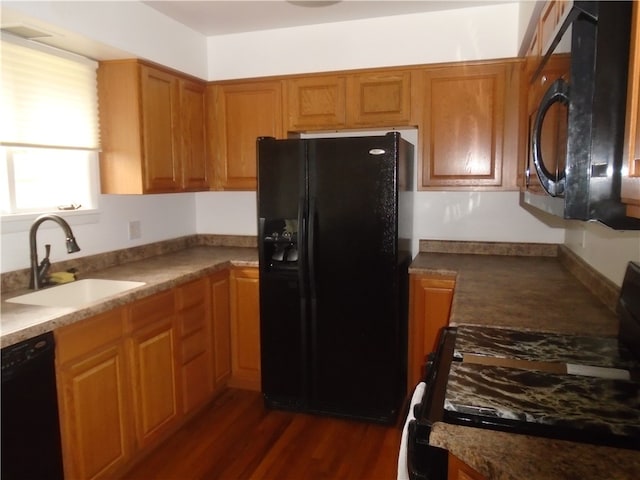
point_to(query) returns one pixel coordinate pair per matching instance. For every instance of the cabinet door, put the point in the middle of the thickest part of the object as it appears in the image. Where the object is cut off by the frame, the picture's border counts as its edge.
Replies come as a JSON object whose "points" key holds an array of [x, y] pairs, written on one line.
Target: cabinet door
{"points": [[194, 154], [155, 378], [194, 327], [160, 130], [463, 125], [221, 327], [245, 329], [316, 102], [631, 181], [379, 99], [239, 113], [92, 376], [430, 304], [120, 128]]}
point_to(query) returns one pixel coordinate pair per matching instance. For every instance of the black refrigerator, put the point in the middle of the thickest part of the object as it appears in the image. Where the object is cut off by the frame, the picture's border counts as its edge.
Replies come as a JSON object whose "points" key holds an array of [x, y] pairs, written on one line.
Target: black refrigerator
{"points": [[334, 238]]}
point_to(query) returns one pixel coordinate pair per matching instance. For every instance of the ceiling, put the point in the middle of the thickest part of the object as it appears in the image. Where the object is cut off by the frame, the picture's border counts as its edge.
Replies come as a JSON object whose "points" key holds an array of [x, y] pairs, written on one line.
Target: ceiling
{"points": [[220, 17]]}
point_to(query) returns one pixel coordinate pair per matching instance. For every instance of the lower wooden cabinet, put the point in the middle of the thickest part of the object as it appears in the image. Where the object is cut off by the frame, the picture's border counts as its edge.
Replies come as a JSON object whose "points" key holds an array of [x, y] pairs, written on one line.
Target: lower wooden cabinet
{"points": [[194, 330], [221, 328], [430, 306], [154, 367], [245, 329], [130, 377], [458, 470], [93, 396]]}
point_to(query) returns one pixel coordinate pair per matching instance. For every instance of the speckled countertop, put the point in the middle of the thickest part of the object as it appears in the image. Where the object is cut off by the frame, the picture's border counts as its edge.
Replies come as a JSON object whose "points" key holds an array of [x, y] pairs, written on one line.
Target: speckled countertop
{"points": [[533, 293], [530, 293], [19, 322]]}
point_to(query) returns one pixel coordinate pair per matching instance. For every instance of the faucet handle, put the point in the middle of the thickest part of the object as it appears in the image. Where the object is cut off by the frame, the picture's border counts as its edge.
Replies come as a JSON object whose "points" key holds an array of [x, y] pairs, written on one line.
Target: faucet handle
{"points": [[47, 251]]}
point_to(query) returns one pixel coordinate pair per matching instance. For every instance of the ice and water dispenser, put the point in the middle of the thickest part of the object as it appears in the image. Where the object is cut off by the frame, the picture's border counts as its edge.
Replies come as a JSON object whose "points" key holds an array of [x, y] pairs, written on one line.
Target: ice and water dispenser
{"points": [[280, 244]]}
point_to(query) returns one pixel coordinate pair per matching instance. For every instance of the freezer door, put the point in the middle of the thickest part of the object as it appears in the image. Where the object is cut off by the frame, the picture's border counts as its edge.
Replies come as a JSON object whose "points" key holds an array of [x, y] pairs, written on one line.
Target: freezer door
{"points": [[283, 333], [355, 342]]}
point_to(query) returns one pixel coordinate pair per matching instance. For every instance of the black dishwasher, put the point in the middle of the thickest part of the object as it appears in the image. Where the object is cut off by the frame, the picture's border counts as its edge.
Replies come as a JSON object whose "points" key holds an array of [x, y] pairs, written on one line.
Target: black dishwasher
{"points": [[31, 447]]}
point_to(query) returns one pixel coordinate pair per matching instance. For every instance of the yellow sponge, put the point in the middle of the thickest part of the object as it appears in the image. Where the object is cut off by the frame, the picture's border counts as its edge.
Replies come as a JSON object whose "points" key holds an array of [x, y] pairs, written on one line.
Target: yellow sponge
{"points": [[62, 277]]}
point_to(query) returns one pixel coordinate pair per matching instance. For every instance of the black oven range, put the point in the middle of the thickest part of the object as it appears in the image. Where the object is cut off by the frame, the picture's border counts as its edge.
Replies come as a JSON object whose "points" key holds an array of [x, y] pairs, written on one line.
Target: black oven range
{"points": [[558, 395], [577, 388]]}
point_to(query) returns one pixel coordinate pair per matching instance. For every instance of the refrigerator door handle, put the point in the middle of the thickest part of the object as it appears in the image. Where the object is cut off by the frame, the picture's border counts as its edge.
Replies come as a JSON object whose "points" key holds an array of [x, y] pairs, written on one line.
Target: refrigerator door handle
{"points": [[311, 248]]}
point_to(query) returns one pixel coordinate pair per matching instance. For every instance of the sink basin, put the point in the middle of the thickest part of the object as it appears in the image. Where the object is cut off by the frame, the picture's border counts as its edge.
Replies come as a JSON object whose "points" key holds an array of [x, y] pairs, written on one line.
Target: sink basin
{"points": [[76, 294]]}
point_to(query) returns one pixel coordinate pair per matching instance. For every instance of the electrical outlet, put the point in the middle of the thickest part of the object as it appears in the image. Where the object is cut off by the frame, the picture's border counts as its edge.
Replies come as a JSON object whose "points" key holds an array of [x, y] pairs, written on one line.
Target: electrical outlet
{"points": [[135, 230]]}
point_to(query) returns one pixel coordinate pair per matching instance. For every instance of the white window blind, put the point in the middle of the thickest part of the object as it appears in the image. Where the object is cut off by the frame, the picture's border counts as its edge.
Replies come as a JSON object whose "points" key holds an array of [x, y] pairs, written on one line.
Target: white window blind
{"points": [[47, 99]]}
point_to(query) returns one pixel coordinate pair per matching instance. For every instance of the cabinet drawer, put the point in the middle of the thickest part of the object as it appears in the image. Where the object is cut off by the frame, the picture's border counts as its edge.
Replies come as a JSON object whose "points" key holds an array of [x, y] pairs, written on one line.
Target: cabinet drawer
{"points": [[152, 309], [193, 346], [192, 293], [73, 341], [192, 319]]}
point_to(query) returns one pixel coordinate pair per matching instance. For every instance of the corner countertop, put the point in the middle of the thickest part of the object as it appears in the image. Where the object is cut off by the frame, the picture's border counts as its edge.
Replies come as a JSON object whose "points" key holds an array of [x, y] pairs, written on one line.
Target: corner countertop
{"points": [[20, 322], [527, 293], [522, 292]]}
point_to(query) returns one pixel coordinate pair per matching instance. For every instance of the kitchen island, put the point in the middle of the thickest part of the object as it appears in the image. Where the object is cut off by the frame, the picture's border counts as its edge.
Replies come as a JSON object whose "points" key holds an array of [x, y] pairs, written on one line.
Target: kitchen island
{"points": [[531, 293]]}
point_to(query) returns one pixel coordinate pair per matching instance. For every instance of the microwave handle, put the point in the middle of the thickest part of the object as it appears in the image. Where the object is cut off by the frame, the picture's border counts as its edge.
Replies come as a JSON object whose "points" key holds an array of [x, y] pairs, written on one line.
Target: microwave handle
{"points": [[557, 92]]}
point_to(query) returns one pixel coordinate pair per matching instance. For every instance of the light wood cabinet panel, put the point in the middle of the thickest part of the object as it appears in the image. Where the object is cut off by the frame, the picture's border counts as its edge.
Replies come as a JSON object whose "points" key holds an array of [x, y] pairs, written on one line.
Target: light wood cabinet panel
{"points": [[430, 306], [93, 393], [379, 99], [245, 329], [631, 178], [316, 102], [151, 126], [194, 326], [239, 113], [160, 130], [194, 136], [470, 128], [458, 470], [221, 327], [154, 373], [130, 377]]}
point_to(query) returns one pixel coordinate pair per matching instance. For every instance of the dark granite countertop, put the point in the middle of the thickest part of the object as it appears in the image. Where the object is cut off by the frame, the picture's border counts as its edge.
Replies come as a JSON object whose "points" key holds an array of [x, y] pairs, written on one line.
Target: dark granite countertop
{"points": [[528, 293]]}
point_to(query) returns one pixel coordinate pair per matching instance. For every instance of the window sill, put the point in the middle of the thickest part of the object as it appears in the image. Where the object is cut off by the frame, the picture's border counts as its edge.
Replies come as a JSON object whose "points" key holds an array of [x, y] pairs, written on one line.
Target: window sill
{"points": [[22, 222]]}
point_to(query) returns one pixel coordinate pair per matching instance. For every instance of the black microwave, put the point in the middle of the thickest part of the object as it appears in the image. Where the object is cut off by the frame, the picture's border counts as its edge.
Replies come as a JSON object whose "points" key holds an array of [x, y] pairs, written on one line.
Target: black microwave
{"points": [[576, 132]]}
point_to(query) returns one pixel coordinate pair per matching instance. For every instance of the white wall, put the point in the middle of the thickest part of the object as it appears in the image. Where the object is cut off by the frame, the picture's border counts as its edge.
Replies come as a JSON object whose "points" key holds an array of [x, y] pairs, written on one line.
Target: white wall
{"points": [[455, 35], [116, 29], [608, 251], [161, 217]]}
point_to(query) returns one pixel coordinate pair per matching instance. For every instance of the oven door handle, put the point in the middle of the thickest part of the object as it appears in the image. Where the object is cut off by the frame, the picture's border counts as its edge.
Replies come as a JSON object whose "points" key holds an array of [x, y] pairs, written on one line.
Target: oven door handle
{"points": [[552, 183]]}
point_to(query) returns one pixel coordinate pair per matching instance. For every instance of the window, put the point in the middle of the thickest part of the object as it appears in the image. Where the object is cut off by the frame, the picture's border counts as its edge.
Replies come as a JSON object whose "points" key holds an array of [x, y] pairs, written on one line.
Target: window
{"points": [[48, 129]]}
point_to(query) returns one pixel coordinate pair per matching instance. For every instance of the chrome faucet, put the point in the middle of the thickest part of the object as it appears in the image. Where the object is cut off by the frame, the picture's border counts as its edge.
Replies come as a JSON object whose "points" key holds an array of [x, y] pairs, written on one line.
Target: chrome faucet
{"points": [[39, 272]]}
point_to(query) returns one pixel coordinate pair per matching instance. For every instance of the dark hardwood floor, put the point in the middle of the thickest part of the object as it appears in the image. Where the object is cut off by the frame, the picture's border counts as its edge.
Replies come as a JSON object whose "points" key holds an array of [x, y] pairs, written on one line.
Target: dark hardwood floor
{"points": [[236, 437]]}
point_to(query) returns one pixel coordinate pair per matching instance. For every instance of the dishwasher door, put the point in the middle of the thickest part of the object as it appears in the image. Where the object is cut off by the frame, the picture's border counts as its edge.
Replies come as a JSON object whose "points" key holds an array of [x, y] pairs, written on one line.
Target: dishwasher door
{"points": [[31, 447]]}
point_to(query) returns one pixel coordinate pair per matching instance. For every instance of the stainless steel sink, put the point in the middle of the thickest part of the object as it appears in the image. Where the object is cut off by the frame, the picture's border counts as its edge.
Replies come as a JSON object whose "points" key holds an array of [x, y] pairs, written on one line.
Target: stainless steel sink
{"points": [[76, 294]]}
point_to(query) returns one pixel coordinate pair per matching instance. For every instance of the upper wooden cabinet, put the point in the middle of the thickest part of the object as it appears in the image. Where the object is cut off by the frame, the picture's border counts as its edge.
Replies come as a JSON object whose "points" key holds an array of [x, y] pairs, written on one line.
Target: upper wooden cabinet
{"points": [[349, 100], [152, 129], [316, 102], [379, 99], [471, 125], [237, 114], [194, 135], [631, 178]]}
